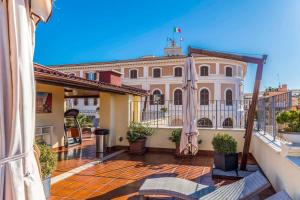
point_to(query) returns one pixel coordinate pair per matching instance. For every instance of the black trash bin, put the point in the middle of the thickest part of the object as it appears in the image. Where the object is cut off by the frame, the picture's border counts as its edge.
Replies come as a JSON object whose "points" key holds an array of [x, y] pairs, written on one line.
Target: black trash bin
{"points": [[101, 138]]}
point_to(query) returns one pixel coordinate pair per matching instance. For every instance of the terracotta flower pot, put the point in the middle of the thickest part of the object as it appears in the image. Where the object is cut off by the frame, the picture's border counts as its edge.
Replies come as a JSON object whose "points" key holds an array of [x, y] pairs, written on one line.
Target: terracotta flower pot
{"points": [[138, 146]]}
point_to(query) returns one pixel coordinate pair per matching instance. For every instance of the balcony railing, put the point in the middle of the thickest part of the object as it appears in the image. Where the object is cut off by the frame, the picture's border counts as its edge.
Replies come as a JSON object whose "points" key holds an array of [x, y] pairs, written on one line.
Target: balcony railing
{"points": [[214, 114], [268, 108]]}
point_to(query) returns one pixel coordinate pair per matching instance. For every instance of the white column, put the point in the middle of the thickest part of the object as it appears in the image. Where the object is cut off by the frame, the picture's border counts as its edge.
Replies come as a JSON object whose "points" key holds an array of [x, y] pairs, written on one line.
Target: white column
{"points": [[122, 72], [167, 91], [145, 72], [218, 92], [81, 73], [217, 68], [217, 114]]}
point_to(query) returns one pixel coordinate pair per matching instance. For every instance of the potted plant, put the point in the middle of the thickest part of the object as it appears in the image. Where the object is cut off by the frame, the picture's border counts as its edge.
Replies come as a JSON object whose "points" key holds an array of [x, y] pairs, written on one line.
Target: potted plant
{"points": [[48, 162], [225, 157], [290, 121], [137, 136], [163, 110], [175, 137]]}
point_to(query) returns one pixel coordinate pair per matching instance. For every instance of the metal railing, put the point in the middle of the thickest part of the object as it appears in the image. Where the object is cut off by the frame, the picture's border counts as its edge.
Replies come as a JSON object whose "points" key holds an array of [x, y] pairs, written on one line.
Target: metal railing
{"points": [[267, 109], [215, 114]]}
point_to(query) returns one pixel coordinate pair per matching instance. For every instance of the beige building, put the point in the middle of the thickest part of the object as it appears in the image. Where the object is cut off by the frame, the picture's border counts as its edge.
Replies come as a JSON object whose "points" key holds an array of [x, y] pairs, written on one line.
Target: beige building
{"points": [[220, 86]]}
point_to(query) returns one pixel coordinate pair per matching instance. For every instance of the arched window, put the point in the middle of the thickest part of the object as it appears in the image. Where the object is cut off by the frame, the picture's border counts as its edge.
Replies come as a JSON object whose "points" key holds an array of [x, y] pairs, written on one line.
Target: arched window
{"points": [[177, 97], [204, 97], [204, 122], [228, 97], [156, 73], [133, 73], [75, 102], [228, 71], [178, 72], [72, 74], [157, 98], [204, 71], [228, 123]]}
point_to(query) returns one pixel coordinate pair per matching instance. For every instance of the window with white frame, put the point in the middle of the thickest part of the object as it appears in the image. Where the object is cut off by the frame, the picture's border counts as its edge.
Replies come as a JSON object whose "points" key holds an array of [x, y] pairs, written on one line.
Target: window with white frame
{"points": [[91, 76], [178, 97], [178, 72], [204, 71], [228, 97], [228, 123], [204, 97], [156, 73], [133, 74], [204, 122], [157, 98], [228, 71]]}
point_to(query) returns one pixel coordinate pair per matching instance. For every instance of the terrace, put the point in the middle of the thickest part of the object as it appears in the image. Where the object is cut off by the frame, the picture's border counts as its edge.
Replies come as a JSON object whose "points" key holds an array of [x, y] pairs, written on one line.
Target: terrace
{"points": [[120, 175]]}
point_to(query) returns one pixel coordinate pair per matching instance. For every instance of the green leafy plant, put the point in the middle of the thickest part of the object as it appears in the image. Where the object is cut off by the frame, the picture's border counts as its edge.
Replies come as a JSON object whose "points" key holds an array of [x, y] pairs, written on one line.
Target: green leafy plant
{"points": [[84, 120], [291, 120], [164, 109], [48, 160], [224, 143], [175, 136], [138, 131]]}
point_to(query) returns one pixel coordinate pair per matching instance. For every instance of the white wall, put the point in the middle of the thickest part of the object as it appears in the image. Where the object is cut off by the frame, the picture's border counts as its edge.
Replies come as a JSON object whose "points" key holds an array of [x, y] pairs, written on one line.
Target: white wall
{"points": [[56, 117], [279, 169], [160, 138]]}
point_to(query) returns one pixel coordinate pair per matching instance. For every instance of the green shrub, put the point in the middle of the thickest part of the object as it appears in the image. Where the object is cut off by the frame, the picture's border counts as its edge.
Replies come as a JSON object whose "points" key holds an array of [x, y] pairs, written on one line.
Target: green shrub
{"points": [[48, 160], [224, 143], [291, 119], [84, 120], [175, 136], [138, 131], [164, 109]]}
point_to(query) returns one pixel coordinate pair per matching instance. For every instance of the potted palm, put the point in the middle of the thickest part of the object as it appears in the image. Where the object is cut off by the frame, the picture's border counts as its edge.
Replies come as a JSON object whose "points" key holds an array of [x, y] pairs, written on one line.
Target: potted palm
{"points": [[225, 157], [290, 121], [175, 137], [137, 136], [48, 162]]}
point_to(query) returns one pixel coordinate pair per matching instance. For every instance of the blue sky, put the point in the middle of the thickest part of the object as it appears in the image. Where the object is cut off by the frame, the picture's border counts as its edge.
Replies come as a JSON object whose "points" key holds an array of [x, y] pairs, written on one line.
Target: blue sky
{"points": [[112, 30]]}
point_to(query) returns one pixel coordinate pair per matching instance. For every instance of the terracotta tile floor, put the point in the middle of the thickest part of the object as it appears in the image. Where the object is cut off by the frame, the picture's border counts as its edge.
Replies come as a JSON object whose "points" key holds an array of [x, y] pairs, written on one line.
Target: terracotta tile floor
{"points": [[72, 157], [120, 177]]}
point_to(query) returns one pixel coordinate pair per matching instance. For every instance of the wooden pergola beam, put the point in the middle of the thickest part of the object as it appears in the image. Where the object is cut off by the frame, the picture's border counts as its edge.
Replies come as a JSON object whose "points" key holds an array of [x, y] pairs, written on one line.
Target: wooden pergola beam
{"points": [[251, 113]]}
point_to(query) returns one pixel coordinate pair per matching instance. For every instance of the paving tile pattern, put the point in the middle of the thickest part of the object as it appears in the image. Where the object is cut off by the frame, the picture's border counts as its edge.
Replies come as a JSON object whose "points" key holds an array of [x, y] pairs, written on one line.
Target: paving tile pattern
{"points": [[76, 156], [120, 177]]}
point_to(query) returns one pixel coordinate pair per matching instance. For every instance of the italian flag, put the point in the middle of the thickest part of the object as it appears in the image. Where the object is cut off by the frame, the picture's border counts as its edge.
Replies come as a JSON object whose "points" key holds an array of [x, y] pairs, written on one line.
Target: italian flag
{"points": [[177, 30]]}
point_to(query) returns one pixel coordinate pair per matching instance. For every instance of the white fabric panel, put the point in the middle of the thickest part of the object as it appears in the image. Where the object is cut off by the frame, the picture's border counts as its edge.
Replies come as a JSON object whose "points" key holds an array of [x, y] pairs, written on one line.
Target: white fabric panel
{"points": [[42, 9], [19, 175], [189, 139]]}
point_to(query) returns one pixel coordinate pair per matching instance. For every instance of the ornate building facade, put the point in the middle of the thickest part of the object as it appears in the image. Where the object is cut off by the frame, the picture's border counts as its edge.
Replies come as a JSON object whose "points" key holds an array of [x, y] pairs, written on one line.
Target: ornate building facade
{"points": [[220, 85]]}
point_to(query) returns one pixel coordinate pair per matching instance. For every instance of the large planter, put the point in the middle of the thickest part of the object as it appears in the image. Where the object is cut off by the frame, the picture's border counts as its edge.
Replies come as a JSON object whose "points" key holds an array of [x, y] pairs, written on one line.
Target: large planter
{"points": [[293, 137], [226, 162], [47, 186], [138, 146]]}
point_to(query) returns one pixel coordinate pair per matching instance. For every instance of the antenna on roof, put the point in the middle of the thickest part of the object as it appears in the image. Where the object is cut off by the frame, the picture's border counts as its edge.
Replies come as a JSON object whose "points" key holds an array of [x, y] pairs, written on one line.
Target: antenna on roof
{"points": [[278, 79]]}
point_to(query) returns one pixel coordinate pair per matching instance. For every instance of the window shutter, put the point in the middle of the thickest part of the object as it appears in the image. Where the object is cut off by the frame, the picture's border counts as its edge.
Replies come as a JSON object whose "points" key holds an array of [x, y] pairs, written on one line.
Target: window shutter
{"points": [[87, 76], [162, 99]]}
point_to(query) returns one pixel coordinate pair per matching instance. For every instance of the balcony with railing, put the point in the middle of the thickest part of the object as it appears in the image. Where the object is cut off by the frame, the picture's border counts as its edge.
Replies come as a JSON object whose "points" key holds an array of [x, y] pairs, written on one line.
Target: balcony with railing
{"points": [[215, 114]]}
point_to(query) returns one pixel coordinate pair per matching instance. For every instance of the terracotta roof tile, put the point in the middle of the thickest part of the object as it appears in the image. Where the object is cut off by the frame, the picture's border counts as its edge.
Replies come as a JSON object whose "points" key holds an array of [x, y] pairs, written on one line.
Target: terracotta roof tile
{"points": [[46, 74]]}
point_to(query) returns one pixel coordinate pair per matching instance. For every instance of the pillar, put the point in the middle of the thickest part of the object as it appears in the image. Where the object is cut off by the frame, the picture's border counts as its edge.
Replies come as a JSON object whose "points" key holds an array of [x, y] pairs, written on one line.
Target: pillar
{"points": [[115, 115]]}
